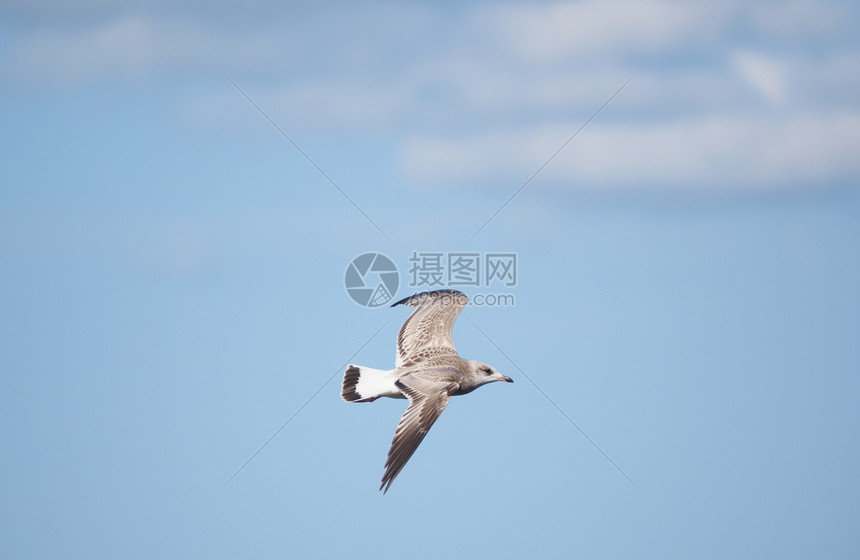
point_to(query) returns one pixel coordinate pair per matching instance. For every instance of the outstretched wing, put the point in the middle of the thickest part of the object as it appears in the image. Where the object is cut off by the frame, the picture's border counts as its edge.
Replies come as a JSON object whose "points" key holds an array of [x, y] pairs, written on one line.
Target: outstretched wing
{"points": [[429, 392], [427, 332]]}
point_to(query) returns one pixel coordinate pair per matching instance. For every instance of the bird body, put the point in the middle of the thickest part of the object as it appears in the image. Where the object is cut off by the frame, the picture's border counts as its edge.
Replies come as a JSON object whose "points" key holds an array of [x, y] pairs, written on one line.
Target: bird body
{"points": [[428, 372]]}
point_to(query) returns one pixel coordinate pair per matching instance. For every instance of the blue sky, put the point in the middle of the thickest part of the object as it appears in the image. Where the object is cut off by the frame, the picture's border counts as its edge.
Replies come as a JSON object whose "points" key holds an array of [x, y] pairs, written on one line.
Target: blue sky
{"points": [[688, 291]]}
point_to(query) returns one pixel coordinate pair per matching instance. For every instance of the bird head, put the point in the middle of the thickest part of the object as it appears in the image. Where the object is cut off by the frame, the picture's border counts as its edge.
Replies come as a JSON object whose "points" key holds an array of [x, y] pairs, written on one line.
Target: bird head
{"points": [[487, 374]]}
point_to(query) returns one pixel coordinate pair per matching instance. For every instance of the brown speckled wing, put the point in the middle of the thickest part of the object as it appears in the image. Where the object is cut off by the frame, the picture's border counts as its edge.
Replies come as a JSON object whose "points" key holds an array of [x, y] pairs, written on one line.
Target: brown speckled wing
{"points": [[429, 392], [427, 332]]}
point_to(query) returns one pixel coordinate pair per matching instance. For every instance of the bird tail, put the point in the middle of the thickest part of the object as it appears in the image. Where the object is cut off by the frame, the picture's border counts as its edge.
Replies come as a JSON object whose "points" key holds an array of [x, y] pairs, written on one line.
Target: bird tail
{"points": [[364, 384]]}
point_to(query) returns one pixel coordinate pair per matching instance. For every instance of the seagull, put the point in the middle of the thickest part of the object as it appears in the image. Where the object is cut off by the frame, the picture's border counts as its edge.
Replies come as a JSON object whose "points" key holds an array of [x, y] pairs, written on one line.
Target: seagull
{"points": [[428, 371]]}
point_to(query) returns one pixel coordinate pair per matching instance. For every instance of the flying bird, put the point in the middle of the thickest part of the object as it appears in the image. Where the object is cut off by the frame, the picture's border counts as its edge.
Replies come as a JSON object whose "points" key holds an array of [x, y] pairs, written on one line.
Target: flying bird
{"points": [[428, 371]]}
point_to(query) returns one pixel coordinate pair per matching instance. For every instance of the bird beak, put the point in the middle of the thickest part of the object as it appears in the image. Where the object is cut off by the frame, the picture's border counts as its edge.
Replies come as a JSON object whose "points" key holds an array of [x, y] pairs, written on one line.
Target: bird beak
{"points": [[506, 378]]}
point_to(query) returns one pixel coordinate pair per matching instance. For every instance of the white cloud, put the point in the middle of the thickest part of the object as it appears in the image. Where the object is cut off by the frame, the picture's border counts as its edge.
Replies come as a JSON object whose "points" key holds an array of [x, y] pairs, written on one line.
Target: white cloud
{"points": [[734, 153], [799, 21], [547, 32], [131, 47], [477, 92], [766, 74]]}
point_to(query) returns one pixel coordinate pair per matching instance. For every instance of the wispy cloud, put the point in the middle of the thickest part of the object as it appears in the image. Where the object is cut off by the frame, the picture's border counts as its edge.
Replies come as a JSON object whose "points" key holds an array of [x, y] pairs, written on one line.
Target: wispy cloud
{"points": [[728, 95], [696, 154], [133, 48], [557, 31]]}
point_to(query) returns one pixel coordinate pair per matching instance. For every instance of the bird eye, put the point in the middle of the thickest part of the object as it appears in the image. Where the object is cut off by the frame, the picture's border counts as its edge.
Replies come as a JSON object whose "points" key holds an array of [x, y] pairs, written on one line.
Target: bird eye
{"points": [[487, 370]]}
